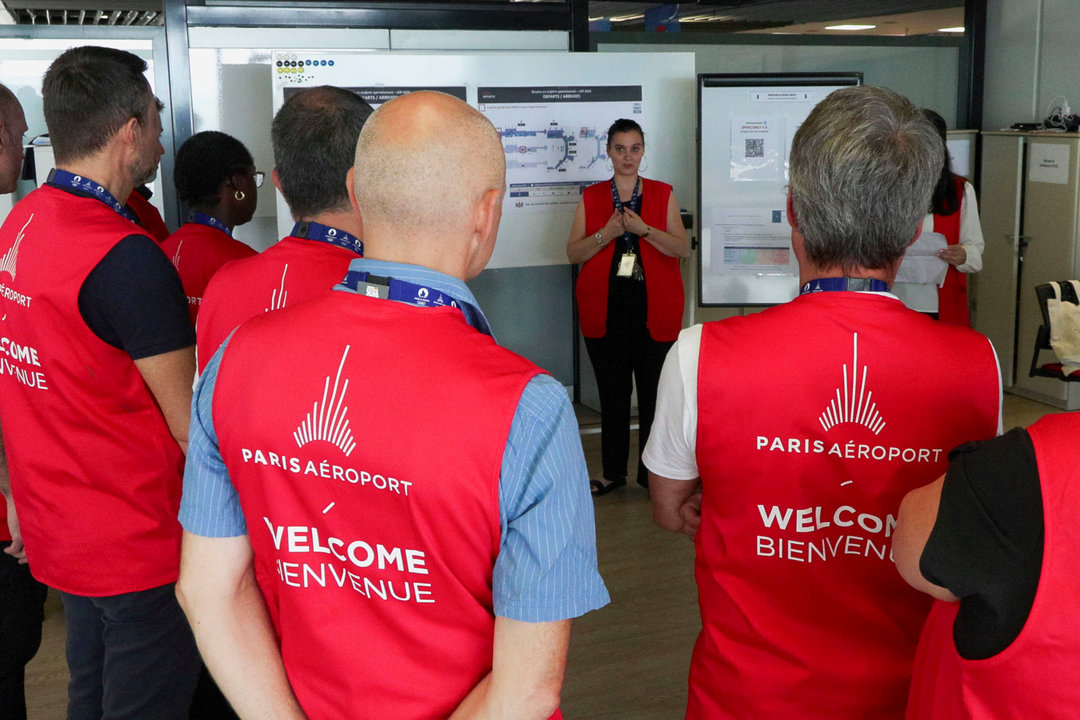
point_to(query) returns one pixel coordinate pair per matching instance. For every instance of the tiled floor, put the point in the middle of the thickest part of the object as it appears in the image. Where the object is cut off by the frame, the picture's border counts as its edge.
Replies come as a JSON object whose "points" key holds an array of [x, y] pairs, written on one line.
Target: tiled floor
{"points": [[629, 660]]}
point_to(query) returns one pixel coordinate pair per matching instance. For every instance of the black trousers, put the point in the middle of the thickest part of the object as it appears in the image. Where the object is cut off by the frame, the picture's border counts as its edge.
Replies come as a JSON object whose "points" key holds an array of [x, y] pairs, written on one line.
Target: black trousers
{"points": [[130, 656], [22, 609], [625, 355]]}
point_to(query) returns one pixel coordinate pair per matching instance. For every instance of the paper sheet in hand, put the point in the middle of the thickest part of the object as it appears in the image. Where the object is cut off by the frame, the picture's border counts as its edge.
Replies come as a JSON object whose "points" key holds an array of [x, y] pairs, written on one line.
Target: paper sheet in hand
{"points": [[921, 263]]}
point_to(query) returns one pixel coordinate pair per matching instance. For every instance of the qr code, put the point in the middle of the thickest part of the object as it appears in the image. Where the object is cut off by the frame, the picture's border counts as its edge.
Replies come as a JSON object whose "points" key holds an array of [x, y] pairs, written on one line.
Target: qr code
{"points": [[755, 147]]}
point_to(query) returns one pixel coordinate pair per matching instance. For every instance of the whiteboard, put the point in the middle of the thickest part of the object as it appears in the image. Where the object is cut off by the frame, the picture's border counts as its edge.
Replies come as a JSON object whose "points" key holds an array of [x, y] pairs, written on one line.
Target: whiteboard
{"points": [[747, 124], [552, 110]]}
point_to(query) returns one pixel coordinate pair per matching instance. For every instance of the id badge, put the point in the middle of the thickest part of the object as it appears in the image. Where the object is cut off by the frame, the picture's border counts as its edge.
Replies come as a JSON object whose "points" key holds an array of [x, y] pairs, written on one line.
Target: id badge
{"points": [[626, 265]]}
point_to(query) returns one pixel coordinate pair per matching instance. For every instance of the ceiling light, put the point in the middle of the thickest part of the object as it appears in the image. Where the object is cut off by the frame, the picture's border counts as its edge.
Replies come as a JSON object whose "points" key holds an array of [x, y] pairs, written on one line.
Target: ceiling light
{"points": [[850, 27], [953, 29]]}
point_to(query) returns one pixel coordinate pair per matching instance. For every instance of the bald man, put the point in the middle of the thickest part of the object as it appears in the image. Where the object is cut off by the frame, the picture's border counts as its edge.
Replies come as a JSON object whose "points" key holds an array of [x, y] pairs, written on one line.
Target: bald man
{"points": [[22, 598], [12, 129], [401, 512]]}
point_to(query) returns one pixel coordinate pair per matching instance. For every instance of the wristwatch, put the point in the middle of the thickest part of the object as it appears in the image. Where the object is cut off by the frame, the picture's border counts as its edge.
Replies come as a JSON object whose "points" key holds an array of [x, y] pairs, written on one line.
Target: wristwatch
{"points": [[646, 233]]}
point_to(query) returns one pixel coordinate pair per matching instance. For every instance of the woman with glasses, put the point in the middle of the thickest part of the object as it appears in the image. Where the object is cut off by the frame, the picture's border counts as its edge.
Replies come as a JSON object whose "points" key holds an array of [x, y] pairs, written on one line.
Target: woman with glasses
{"points": [[216, 182], [628, 236]]}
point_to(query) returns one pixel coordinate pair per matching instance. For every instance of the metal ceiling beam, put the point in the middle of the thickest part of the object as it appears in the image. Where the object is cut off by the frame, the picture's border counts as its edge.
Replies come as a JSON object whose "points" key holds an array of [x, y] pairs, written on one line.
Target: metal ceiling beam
{"points": [[417, 15], [31, 5]]}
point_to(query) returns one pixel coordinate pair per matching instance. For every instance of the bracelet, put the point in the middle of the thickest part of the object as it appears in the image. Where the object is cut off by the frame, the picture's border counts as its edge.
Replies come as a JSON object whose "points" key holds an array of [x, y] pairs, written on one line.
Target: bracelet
{"points": [[646, 233], [599, 238]]}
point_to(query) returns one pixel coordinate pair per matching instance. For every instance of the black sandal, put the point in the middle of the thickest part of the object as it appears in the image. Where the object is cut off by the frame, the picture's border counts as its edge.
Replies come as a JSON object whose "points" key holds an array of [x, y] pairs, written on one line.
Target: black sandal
{"points": [[598, 488]]}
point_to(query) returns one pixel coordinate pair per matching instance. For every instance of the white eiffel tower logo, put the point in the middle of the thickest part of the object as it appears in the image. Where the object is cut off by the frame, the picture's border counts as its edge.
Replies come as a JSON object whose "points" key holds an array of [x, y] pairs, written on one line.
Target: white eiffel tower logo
{"points": [[11, 257], [853, 402], [327, 420], [176, 255], [279, 296]]}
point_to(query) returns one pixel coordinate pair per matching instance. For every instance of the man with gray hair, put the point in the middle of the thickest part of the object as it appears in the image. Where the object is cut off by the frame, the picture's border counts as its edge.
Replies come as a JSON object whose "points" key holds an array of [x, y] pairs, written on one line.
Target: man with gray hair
{"points": [[785, 440], [398, 511]]}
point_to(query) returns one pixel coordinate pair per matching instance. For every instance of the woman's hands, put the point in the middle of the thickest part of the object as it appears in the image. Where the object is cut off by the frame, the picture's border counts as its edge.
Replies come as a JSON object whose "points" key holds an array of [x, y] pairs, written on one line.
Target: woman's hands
{"points": [[633, 222], [613, 228], [954, 255]]}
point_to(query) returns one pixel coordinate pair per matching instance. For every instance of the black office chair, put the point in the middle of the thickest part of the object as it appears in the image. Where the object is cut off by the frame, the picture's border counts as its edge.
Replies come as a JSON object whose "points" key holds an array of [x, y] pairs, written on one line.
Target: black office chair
{"points": [[1042, 338]]}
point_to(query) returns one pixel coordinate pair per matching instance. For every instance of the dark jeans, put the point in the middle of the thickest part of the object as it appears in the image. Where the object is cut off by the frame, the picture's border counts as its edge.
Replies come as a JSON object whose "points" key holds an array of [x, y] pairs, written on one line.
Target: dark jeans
{"points": [[131, 656], [209, 702], [626, 354], [22, 608]]}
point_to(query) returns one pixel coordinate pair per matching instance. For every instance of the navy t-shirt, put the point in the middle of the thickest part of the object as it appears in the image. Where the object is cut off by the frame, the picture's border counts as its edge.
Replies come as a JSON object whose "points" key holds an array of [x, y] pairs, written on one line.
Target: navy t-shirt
{"points": [[133, 299]]}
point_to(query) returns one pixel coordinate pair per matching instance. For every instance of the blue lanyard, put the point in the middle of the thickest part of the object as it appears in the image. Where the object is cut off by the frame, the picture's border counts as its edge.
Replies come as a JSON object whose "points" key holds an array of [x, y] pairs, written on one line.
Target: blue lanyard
{"points": [[634, 204], [60, 177], [388, 288], [209, 220], [844, 283], [327, 234]]}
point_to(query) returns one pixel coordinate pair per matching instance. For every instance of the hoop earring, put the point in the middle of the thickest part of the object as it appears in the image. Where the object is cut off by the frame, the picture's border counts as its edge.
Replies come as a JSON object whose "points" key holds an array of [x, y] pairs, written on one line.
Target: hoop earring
{"points": [[239, 195], [644, 164]]}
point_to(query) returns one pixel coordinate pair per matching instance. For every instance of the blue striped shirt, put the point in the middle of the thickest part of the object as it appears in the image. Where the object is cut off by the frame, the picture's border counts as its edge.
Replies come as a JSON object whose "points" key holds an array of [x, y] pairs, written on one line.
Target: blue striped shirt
{"points": [[546, 567]]}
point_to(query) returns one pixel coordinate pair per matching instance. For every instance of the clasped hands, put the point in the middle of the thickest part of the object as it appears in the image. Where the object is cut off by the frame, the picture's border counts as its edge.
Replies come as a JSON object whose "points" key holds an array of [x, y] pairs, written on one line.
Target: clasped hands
{"points": [[623, 222]]}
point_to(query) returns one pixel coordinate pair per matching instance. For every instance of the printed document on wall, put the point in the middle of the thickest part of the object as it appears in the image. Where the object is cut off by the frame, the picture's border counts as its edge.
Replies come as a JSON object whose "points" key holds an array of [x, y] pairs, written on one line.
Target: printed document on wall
{"points": [[757, 148], [555, 139], [750, 241]]}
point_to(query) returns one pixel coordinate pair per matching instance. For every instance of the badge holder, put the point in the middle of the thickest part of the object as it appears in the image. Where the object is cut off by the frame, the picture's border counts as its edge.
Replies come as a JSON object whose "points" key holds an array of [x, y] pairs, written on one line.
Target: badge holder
{"points": [[626, 265]]}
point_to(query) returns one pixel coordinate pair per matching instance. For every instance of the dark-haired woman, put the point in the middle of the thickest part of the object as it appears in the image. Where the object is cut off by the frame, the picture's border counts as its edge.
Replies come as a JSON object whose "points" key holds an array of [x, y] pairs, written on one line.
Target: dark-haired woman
{"points": [[217, 182], [954, 213], [628, 235]]}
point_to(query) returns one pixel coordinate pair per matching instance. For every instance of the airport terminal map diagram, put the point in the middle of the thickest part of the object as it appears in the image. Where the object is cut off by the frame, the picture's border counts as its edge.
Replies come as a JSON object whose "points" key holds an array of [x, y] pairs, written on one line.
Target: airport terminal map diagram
{"points": [[376, 95], [555, 139]]}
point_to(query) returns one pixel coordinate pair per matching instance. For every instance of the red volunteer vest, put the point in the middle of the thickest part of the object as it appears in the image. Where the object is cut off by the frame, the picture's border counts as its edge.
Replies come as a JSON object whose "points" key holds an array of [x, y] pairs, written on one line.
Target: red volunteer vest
{"points": [[1038, 675], [94, 469], [815, 418], [287, 273], [197, 252], [952, 296], [663, 279], [149, 217], [367, 457]]}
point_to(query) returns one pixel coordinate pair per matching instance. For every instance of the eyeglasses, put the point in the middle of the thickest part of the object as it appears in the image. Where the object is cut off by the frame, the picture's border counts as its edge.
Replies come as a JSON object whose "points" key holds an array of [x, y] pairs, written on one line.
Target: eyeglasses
{"points": [[259, 177]]}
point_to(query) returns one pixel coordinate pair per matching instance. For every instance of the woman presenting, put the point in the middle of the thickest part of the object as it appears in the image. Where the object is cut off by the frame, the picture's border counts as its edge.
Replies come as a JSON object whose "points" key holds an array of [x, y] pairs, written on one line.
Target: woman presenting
{"points": [[629, 237]]}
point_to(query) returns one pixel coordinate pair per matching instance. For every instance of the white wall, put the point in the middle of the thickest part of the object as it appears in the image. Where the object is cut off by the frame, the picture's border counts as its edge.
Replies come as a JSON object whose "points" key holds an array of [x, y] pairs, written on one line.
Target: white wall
{"points": [[1032, 56], [925, 74]]}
